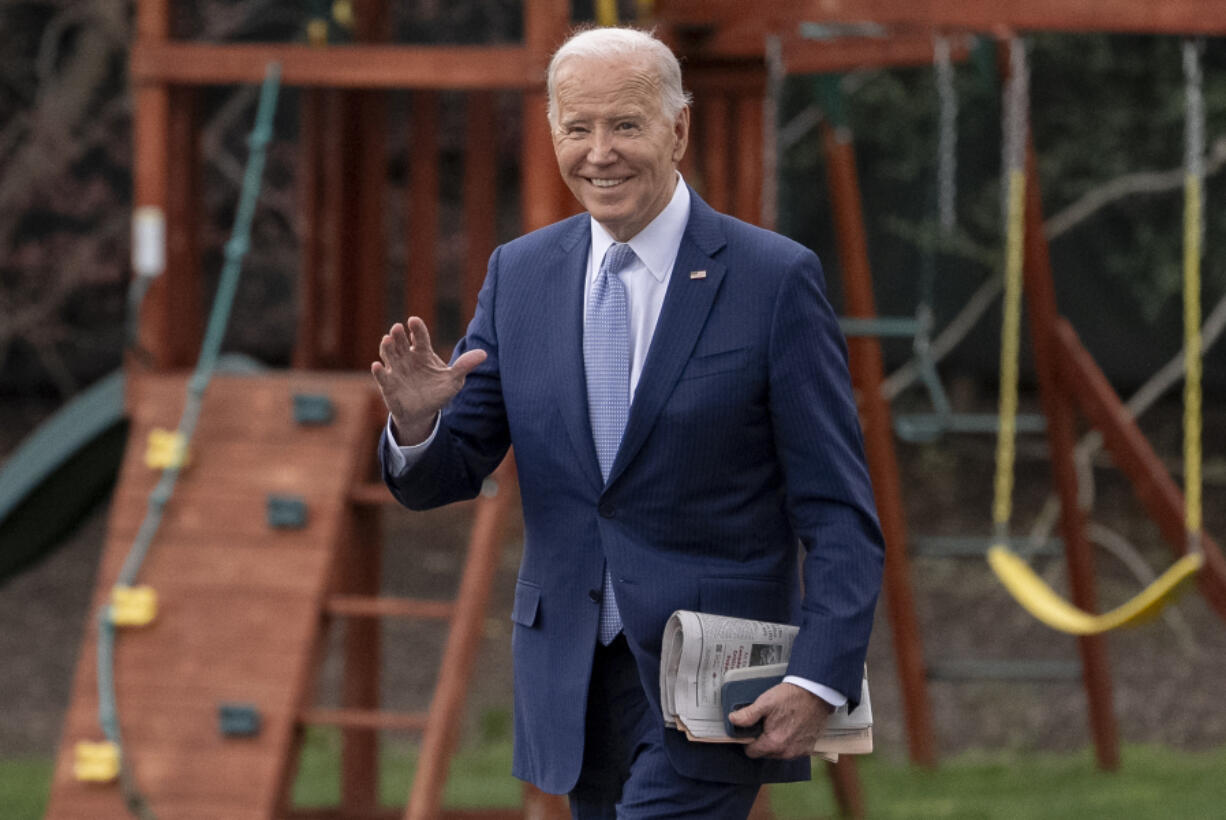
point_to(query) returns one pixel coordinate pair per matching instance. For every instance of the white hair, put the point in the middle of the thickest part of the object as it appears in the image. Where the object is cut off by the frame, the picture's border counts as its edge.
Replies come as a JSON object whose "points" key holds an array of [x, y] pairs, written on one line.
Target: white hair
{"points": [[603, 43]]}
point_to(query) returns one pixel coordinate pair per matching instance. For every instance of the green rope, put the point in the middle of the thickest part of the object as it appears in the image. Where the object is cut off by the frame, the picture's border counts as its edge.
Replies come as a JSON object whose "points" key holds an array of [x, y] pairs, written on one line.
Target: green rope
{"points": [[236, 248]]}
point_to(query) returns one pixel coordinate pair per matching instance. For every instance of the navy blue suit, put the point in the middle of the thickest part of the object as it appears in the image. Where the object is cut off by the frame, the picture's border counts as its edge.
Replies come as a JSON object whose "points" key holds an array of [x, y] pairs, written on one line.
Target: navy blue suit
{"points": [[742, 442]]}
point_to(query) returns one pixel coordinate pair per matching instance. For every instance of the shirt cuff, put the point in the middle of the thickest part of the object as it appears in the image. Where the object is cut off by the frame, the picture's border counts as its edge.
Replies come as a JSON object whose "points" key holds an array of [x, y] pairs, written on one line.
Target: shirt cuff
{"points": [[401, 457], [835, 699]]}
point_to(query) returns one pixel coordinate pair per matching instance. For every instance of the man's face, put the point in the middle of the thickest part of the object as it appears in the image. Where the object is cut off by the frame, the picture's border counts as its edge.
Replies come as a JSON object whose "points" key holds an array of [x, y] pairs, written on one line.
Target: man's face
{"points": [[616, 150]]}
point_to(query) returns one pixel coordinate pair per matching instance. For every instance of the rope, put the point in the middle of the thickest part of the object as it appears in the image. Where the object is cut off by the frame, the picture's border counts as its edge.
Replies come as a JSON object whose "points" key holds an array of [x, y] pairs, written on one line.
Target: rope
{"points": [[236, 248], [1016, 102], [1193, 235]]}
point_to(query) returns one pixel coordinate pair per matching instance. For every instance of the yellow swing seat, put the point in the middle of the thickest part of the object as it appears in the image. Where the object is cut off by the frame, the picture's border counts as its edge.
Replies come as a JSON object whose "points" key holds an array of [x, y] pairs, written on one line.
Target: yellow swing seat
{"points": [[1041, 601]]}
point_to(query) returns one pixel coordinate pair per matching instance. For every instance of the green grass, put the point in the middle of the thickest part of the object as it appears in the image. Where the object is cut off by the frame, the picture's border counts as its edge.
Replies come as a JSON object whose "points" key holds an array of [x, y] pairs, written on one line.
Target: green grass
{"points": [[1153, 782], [24, 783]]}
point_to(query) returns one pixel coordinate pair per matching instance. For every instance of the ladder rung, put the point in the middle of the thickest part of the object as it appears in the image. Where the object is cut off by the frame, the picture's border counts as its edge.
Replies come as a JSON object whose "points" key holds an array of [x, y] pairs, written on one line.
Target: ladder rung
{"points": [[922, 427], [976, 546], [361, 606], [1003, 670], [364, 719], [893, 326], [371, 494]]}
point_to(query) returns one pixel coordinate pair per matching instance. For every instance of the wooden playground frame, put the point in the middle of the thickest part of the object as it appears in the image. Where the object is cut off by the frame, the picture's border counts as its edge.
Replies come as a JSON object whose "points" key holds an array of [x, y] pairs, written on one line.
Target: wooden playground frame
{"points": [[343, 303]]}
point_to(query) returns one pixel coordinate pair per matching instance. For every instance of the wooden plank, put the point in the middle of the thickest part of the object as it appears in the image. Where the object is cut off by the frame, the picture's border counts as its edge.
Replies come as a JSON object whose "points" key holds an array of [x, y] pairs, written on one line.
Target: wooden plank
{"points": [[239, 605], [358, 606], [1137, 16], [454, 68], [365, 719], [253, 407]]}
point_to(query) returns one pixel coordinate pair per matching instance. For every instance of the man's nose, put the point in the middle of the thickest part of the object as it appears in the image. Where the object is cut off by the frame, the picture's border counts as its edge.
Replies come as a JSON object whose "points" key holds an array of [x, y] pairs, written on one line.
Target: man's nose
{"points": [[600, 149]]}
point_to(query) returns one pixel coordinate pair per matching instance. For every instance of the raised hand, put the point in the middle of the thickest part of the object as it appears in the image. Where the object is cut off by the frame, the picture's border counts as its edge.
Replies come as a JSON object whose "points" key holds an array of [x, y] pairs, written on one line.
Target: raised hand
{"points": [[415, 383]]}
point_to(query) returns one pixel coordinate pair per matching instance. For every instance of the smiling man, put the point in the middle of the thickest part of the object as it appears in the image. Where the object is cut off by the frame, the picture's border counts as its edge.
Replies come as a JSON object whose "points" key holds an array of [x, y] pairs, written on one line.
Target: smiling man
{"points": [[676, 389]]}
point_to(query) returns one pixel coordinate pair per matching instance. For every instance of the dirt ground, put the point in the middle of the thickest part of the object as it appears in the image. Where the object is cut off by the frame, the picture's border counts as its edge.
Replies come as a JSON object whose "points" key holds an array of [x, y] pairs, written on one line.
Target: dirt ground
{"points": [[1166, 674]]}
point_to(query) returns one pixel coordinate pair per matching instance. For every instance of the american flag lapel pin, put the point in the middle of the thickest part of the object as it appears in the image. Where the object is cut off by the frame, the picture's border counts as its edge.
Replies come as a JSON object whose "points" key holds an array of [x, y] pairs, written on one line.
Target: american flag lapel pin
{"points": [[698, 274]]}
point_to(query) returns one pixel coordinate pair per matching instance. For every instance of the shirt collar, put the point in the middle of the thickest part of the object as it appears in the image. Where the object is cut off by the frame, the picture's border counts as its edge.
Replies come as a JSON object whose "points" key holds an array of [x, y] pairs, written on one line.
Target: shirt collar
{"points": [[657, 244]]}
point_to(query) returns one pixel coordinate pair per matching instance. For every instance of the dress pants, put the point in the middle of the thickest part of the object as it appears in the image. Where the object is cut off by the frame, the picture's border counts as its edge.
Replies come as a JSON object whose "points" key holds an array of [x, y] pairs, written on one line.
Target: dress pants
{"points": [[626, 774]]}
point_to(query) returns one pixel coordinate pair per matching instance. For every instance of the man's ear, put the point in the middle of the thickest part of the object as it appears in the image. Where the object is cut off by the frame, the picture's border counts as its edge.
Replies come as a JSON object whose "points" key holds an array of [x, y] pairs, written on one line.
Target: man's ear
{"points": [[681, 133]]}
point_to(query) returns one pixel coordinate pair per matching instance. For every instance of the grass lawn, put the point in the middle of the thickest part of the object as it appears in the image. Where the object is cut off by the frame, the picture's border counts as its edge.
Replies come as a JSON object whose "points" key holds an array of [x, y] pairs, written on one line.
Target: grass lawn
{"points": [[1153, 782]]}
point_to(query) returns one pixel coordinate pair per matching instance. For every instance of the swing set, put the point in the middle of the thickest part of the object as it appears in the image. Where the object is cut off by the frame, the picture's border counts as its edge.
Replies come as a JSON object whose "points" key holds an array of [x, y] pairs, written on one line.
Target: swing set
{"points": [[1031, 591]]}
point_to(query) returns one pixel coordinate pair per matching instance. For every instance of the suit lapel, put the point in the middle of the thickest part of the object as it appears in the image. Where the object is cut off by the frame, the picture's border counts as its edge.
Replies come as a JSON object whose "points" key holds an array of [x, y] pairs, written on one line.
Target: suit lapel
{"points": [[564, 336], [686, 305]]}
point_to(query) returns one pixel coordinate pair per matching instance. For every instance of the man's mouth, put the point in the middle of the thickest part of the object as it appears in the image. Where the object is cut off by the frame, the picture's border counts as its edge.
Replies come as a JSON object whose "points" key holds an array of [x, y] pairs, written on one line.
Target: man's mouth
{"points": [[606, 183]]}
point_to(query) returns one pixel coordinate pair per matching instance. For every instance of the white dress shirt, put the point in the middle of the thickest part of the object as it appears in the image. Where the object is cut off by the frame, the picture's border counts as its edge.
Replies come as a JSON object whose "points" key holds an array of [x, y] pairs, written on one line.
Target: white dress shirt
{"points": [[646, 281]]}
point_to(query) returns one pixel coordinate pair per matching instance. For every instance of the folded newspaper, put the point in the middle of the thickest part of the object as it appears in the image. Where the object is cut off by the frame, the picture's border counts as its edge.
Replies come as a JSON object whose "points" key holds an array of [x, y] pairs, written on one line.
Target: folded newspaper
{"points": [[700, 651]]}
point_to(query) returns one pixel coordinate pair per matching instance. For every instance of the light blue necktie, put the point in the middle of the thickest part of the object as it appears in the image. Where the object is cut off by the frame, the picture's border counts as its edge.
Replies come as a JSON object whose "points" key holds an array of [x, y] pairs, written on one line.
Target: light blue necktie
{"points": [[606, 358]]}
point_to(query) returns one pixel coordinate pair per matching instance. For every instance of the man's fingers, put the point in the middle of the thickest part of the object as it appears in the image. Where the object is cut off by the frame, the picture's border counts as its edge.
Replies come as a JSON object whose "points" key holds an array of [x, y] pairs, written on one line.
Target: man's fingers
{"points": [[747, 716], [468, 361], [419, 336]]}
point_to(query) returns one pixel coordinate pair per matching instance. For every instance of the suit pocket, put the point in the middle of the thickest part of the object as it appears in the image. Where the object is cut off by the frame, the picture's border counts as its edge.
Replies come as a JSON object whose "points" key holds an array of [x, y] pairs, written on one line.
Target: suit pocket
{"points": [[527, 603], [710, 364], [763, 599]]}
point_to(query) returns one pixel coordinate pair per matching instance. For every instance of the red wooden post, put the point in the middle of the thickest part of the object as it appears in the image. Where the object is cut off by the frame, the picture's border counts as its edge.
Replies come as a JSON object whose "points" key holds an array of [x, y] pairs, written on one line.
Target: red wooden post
{"points": [[183, 298], [845, 781], [747, 158], [310, 125], [867, 371], [360, 682], [169, 297], [714, 136], [480, 194], [421, 234]]}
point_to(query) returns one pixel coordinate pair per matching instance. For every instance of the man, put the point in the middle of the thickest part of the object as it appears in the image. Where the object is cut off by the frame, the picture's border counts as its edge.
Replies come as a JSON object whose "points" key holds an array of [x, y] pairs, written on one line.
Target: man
{"points": [[676, 390]]}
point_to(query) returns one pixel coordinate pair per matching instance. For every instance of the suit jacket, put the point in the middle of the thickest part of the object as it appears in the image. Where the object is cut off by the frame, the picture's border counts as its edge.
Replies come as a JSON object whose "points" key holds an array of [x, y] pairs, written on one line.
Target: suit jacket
{"points": [[742, 441]]}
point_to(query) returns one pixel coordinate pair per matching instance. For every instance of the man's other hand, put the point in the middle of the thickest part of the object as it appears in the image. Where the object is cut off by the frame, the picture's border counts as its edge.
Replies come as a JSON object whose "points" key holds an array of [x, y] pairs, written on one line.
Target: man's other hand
{"points": [[415, 383], [792, 720]]}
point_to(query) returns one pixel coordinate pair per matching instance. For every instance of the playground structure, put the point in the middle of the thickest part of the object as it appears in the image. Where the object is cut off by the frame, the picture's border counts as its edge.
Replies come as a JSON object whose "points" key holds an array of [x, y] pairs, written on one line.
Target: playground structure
{"points": [[247, 423]]}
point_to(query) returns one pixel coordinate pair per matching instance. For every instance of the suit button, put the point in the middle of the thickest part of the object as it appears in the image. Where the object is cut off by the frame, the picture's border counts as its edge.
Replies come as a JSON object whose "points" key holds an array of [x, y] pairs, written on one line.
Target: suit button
{"points": [[607, 510], [594, 594]]}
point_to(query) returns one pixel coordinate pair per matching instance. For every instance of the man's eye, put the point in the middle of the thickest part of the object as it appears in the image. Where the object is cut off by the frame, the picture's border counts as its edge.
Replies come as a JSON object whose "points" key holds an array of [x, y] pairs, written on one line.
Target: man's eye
{"points": [[627, 126]]}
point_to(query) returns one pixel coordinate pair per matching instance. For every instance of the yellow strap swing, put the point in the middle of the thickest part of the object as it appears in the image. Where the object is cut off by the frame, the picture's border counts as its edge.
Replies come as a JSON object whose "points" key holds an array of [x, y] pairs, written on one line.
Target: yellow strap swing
{"points": [[1034, 594]]}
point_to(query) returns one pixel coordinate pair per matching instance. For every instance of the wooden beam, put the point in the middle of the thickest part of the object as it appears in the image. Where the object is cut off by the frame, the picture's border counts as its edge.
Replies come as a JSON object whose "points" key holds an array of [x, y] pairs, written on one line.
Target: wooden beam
{"points": [[351, 66], [1136, 459], [365, 719], [365, 606], [1131, 16], [801, 56]]}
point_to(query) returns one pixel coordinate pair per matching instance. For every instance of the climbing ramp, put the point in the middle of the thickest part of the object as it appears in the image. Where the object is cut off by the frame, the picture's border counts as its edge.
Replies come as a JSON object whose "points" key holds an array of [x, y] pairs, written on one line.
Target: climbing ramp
{"points": [[209, 693]]}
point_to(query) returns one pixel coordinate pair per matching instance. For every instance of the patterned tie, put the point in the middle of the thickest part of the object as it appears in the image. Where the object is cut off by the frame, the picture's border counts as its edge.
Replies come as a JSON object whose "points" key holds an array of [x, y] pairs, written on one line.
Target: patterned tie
{"points": [[606, 358]]}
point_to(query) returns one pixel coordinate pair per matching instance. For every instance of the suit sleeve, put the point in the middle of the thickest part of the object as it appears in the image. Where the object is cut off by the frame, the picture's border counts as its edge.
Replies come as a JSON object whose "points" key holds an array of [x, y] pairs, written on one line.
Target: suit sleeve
{"points": [[829, 494], [472, 435]]}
